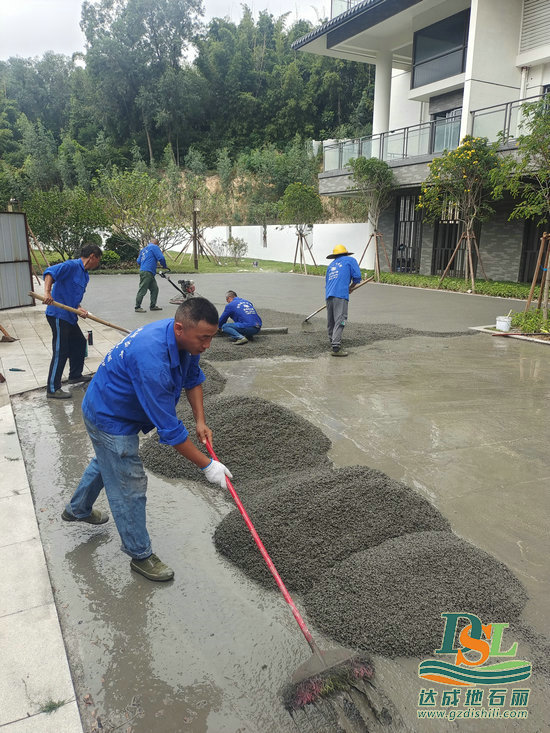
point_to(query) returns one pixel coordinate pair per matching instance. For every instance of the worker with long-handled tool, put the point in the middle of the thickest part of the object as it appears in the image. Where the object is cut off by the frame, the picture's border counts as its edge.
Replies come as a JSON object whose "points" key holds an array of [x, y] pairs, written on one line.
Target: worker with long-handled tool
{"points": [[342, 274], [66, 283], [135, 389], [148, 258]]}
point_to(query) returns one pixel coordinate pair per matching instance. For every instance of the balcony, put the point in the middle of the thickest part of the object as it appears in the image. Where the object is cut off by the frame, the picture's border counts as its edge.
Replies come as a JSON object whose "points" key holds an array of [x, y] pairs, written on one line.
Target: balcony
{"points": [[337, 7], [407, 142], [505, 119], [428, 138]]}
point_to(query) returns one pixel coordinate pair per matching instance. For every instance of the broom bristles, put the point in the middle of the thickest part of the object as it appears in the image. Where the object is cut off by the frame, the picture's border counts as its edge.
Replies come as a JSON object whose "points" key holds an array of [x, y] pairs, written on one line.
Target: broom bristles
{"points": [[338, 678]]}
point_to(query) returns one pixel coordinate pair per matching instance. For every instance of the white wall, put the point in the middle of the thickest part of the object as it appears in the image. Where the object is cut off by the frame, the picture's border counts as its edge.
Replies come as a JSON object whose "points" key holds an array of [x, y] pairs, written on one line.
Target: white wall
{"points": [[403, 112], [492, 76], [281, 241]]}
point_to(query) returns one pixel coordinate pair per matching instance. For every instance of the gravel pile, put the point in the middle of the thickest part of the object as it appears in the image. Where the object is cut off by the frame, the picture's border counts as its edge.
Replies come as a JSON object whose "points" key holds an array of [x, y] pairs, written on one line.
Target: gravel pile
{"points": [[214, 384], [310, 339], [389, 599], [311, 523], [254, 437]]}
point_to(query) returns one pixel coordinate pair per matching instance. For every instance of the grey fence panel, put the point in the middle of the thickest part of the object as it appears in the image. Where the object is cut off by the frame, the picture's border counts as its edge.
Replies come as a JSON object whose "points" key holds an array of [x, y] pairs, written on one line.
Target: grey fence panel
{"points": [[15, 270]]}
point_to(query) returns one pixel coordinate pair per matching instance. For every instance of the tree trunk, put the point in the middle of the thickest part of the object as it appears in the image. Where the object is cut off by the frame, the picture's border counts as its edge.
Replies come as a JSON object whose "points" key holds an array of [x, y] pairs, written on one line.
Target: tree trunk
{"points": [[149, 145]]}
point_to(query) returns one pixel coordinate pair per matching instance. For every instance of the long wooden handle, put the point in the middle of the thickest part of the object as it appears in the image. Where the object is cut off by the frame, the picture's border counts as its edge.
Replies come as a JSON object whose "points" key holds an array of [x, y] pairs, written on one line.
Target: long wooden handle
{"points": [[359, 285], [269, 562], [75, 310]]}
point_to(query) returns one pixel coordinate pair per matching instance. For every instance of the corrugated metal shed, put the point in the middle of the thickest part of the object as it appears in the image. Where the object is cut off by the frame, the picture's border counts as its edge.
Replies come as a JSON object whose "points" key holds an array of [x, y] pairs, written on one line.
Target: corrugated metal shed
{"points": [[15, 268]]}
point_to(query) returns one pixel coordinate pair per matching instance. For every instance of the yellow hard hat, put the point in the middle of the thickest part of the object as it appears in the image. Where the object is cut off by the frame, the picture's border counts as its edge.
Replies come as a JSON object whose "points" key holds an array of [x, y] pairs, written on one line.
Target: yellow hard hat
{"points": [[340, 249]]}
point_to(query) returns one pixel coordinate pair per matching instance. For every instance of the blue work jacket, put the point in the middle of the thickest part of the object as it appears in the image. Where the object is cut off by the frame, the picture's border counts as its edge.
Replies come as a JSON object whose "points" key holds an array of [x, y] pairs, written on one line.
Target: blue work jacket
{"points": [[340, 274], [139, 383], [70, 279], [149, 256], [241, 311]]}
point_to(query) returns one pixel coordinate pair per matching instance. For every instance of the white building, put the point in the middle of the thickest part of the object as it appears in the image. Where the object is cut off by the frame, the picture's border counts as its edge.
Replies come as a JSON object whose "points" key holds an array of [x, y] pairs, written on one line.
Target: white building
{"points": [[444, 69]]}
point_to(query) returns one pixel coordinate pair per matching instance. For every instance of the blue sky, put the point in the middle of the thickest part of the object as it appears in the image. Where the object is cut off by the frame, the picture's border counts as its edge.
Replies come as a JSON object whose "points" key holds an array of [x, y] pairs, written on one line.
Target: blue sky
{"points": [[31, 27]]}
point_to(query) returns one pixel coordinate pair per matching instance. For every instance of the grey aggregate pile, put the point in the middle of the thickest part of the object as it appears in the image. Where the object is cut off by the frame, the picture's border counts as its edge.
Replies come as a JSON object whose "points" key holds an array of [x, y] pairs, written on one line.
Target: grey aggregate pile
{"points": [[310, 339], [389, 599], [254, 437], [214, 384], [311, 523]]}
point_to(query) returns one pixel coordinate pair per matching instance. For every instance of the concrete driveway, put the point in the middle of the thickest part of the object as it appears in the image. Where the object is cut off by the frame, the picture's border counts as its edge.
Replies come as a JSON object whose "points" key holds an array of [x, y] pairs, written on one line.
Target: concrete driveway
{"points": [[461, 419]]}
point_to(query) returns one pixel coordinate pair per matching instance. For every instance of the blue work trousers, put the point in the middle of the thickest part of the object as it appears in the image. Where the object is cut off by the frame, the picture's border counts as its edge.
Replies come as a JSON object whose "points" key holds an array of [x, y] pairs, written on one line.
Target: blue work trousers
{"points": [[238, 330], [117, 467]]}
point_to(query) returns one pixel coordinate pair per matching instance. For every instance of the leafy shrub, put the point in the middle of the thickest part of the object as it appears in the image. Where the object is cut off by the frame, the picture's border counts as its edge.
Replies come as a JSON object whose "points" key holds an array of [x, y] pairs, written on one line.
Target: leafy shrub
{"points": [[531, 322], [109, 259], [126, 249], [237, 248]]}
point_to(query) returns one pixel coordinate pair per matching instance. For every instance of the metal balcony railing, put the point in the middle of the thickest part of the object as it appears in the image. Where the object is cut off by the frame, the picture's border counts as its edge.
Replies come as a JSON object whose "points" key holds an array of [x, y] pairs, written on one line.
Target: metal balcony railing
{"points": [[337, 7], [407, 142], [430, 137], [500, 119]]}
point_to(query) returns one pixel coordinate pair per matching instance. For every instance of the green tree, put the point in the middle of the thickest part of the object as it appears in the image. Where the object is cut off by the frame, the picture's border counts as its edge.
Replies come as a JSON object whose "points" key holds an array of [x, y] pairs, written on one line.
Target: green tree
{"points": [[135, 207], [526, 174], [63, 220], [373, 182], [459, 186], [131, 45], [301, 205]]}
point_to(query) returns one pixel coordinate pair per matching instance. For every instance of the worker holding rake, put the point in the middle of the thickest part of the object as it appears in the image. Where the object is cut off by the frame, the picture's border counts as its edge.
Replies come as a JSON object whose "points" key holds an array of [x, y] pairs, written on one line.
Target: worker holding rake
{"points": [[66, 284], [341, 274], [136, 388]]}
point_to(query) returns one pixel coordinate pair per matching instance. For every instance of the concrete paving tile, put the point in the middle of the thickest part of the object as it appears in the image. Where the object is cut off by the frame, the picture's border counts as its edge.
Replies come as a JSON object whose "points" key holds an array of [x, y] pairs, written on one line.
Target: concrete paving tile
{"points": [[17, 519], [34, 667], [14, 476], [23, 570], [65, 719]]}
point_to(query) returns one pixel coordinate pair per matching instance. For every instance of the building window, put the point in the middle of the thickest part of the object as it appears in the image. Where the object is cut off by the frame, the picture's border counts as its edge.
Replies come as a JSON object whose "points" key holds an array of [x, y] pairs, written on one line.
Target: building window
{"points": [[440, 50]]}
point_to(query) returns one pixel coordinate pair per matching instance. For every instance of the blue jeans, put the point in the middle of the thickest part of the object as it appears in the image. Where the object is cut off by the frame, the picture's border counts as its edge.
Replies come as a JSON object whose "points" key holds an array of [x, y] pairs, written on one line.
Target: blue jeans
{"points": [[238, 330], [117, 467]]}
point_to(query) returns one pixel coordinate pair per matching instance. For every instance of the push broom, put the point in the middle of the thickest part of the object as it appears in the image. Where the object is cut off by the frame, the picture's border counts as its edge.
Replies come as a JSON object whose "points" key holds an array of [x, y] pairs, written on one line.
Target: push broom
{"points": [[327, 673]]}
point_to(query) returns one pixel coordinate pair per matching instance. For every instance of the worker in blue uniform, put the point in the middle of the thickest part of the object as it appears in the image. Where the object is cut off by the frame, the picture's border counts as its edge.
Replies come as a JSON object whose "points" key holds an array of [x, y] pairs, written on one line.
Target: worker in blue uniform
{"points": [[135, 389], [148, 258], [246, 322], [66, 283], [341, 275]]}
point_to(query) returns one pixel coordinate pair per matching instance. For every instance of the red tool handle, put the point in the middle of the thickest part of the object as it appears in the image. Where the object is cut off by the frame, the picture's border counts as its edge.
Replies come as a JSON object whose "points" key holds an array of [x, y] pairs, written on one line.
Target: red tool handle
{"points": [[272, 569]]}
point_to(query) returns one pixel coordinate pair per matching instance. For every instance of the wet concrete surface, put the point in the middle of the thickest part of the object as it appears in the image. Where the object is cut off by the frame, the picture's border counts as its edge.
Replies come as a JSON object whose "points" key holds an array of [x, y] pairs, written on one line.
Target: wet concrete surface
{"points": [[461, 420]]}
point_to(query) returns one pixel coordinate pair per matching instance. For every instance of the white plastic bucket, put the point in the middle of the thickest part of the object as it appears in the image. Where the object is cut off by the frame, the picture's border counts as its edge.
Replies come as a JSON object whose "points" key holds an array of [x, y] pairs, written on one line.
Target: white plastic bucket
{"points": [[504, 323]]}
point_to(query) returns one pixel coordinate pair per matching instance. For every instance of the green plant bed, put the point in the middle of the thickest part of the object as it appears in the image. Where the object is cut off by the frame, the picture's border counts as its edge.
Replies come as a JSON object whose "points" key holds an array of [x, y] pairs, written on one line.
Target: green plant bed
{"points": [[496, 288], [531, 322]]}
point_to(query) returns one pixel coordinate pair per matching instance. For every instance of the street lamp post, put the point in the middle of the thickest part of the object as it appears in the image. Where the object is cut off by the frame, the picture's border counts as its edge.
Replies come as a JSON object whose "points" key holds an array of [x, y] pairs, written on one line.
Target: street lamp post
{"points": [[196, 209]]}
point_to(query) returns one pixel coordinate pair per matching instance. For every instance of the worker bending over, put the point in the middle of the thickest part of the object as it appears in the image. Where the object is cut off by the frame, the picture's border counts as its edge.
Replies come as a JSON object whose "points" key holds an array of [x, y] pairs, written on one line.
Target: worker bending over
{"points": [[136, 388], [246, 321]]}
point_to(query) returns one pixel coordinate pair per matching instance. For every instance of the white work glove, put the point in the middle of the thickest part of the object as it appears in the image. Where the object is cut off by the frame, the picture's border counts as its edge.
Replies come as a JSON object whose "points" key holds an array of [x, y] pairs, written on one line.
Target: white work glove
{"points": [[216, 472]]}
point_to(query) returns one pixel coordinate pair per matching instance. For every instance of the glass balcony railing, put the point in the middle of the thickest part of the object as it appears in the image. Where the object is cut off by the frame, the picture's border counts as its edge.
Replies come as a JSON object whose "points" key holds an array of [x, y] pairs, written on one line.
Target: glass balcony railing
{"points": [[337, 7], [501, 119], [430, 137], [407, 142]]}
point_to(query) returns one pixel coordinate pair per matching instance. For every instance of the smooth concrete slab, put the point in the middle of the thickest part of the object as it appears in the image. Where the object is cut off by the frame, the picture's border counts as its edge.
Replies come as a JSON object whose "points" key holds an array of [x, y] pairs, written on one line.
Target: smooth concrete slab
{"points": [[34, 669], [23, 570]]}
